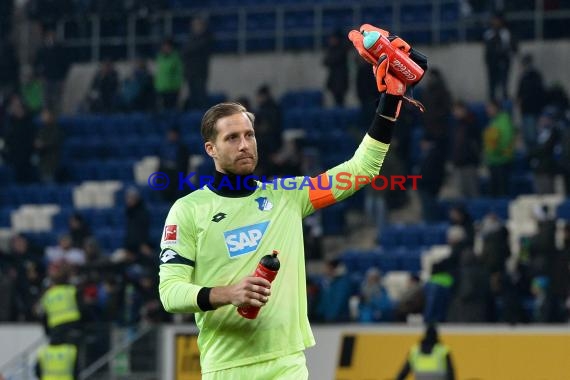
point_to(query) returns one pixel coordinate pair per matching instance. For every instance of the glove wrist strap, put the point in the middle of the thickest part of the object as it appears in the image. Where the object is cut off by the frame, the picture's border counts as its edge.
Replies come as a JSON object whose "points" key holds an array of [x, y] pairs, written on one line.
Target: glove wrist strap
{"points": [[389, 106]]}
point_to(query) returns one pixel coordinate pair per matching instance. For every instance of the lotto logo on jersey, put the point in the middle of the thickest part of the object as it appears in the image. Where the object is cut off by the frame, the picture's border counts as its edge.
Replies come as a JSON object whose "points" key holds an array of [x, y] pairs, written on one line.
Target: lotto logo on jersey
{"points": [[170, 234], [244, 239]]}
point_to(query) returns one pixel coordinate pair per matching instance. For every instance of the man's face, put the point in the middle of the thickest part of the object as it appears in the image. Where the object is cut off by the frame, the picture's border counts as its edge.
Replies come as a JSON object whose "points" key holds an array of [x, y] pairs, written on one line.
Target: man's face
{"points": [[235, 149]]}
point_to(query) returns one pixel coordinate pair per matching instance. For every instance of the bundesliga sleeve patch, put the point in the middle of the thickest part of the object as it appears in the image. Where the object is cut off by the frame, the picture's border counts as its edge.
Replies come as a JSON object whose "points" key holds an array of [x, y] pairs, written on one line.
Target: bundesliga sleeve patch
{"points": [[170, 234]]}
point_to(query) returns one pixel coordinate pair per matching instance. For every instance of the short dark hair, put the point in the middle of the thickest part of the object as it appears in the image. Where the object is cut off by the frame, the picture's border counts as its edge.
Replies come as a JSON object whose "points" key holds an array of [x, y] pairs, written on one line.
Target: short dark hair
{"points": [[215, 113]]}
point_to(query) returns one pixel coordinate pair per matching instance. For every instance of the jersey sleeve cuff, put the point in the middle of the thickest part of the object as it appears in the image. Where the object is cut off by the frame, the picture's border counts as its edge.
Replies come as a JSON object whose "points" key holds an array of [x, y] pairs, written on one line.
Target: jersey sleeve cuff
{"points": [[203, 299], [381, 129]]}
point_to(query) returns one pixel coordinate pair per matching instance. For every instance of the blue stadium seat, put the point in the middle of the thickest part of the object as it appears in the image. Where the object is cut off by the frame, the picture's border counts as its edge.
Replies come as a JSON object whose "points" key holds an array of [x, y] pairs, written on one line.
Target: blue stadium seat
{"points": [[302, 99], [412, 236], [42, 239], [5, 216], [410, 260], [216, 98], [333, 220], [225, 46], [390, 237], [60, 221], [379, 15], [520, 163], [225, 22], [303, 42], [480, 112], [416, 137], [478, 208], [356, 201], [417, 13], [420, 37], [448, 35], [350, 260], [521, 184], [563, 210], [387, 261], [6, 175], [449, 12], [110, 238], [266, 43], [156, 234], [190, 122], [365, 261], [261, 22], [434, 234], [298, 19], [142, 124]]}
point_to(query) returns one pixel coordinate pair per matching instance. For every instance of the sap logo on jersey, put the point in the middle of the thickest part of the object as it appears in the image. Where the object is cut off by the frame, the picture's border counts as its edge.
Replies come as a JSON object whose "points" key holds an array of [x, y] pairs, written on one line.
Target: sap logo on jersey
{"points": [[244, 239]]}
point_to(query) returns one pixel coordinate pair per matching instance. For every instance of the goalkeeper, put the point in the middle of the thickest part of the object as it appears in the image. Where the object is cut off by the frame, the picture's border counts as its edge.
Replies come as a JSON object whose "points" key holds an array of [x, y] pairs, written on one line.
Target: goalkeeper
{"points": [[214, 238]]}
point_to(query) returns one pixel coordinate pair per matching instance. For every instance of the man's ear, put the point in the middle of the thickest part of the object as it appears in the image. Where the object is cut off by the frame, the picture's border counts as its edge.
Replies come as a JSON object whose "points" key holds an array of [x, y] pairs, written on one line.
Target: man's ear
{"points": [[210, 149]]}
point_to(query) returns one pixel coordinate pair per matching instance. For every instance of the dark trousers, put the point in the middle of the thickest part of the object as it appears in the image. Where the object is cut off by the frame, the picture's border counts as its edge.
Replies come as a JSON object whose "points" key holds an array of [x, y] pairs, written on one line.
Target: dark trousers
{"points": [[198, 98], [498, 80], [437, 300], [499, 184], [168, 100]]}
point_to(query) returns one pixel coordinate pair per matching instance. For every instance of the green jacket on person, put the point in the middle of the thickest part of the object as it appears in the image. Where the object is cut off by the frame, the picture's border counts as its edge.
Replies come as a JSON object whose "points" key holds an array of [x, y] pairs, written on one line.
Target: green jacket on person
{"points": [[499, 140], [169, 74]]}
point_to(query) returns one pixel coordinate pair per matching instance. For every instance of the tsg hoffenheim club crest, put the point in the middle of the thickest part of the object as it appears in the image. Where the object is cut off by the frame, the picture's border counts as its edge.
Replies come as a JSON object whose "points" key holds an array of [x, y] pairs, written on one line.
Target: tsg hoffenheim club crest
{"points": [[264, 204]]}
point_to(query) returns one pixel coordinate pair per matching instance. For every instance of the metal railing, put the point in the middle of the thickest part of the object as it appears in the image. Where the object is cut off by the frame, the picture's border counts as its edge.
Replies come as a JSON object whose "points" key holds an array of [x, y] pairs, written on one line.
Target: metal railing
{"points": [[20, 367], [121, 362], [115, 365], [277, 28]]}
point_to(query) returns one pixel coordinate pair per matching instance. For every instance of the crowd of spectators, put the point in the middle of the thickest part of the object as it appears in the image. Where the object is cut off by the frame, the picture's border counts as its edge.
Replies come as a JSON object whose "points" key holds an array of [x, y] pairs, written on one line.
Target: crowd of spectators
{"points": [[450, 132], [489, 284], [119, 288]]}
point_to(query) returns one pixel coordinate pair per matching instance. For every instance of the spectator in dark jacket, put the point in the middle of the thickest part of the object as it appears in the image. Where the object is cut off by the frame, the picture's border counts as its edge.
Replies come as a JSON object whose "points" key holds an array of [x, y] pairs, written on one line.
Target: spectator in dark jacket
{"points": [[542, 160], [196, 55], [104, 89], [336, 61], [21, 290], [564, 161], [9, 67], [499, 47], [78, 230], [19, 140], [267, 124], [560, 279], [439, 287], [437, 101], [530, 99], [51, 64], [335, 293], [49, 140], [466, 150], [459, 216], [432, 170], [138, 221], [137, 92], [472, 292], [174, 158]]}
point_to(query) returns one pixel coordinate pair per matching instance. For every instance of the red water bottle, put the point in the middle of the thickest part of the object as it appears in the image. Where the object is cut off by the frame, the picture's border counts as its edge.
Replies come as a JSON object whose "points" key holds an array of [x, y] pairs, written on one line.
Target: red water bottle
{"points": [[401, 65], [267, 268]]}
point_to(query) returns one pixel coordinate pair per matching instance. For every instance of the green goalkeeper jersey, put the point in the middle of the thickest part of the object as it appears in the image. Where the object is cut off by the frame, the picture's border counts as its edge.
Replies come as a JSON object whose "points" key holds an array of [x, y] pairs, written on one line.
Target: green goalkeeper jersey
{"points": [[212, 240]]}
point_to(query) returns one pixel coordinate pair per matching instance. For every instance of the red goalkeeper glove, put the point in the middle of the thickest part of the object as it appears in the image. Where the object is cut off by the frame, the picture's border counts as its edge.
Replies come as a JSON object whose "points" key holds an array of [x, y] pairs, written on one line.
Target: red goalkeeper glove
{"points": [[392, 90]]}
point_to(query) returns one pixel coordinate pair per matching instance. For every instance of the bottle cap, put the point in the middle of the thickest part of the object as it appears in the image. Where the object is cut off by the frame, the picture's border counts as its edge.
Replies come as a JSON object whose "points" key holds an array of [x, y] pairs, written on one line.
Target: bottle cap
{"points": [[370, 38]]}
